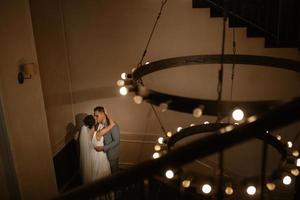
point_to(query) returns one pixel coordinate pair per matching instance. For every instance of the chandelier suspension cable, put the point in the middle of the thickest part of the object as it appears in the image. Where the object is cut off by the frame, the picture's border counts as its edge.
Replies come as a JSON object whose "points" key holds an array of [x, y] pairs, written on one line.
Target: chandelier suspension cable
{"points": [[163, 3], [220, 195], [233, 64]]}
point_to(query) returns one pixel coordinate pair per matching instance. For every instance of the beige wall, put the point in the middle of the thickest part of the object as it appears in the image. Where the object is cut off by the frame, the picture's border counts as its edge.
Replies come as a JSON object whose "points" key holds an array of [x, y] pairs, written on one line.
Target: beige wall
{"points": [[24, 109], [47, 19]]}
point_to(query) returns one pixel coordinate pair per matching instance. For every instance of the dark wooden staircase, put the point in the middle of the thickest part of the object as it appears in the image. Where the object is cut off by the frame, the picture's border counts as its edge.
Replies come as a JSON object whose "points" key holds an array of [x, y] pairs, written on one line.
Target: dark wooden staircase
{"points": [[278, 21]]}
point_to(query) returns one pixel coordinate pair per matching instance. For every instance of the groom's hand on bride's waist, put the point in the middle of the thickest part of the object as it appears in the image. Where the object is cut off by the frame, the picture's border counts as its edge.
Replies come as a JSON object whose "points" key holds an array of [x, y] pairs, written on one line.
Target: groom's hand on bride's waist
{"points": [[99, 148]]}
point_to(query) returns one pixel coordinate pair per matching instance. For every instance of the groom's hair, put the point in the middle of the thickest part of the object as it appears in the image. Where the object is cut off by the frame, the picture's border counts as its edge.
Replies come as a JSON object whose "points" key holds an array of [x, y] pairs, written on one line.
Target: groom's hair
{"points": [[101, 109], [89, 121]]}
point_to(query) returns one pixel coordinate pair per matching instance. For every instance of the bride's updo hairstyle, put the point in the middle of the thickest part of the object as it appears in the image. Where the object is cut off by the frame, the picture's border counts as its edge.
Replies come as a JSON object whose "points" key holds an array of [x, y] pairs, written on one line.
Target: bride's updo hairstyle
{"points": [[89, 121]]}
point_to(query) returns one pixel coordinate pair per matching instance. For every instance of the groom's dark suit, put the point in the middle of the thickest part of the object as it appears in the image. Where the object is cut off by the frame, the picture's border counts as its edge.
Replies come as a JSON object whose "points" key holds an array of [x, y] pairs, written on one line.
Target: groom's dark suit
{"points": [[112, 147]]}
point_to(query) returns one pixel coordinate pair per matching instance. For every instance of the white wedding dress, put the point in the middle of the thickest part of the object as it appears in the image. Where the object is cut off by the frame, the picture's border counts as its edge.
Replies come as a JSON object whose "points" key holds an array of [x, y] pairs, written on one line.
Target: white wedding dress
{"points": [[85, 142], [100, 163]]}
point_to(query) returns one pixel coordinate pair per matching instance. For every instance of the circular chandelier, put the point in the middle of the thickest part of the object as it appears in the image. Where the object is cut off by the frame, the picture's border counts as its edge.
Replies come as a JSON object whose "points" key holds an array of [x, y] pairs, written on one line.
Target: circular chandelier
{"points": [[241, 112]]}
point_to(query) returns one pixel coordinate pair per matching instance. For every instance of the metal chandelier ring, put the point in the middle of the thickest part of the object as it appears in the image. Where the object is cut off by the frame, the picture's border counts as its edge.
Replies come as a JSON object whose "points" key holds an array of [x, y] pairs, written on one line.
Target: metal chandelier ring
{"points": [[211, 107]]}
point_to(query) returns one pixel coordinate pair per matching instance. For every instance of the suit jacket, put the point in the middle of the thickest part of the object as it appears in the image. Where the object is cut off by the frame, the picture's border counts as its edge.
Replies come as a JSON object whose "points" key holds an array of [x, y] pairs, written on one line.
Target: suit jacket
{"points": [[112, 143]]}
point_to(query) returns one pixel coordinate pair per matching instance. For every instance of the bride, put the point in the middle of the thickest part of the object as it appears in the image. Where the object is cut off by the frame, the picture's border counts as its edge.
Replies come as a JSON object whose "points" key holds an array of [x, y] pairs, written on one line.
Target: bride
{"points": [[94, 164]]}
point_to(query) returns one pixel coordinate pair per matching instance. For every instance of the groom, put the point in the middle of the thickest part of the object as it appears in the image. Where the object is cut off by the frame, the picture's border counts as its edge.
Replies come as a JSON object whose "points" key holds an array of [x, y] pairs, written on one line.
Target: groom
{"points": [[111, 139]]}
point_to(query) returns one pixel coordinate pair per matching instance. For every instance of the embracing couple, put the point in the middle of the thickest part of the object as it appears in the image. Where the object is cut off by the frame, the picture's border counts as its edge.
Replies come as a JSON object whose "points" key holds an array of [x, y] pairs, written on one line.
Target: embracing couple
{"points": [[99, 146]]}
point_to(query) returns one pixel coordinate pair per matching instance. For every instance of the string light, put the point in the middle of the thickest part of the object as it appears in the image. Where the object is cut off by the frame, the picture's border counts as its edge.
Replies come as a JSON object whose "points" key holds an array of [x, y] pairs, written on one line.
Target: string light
{"points": [[120, 83], [271, 186], [229, 190], [123, 91], [295, 153], [290, 144], [206, 188], [286, 180], [157, 147], [160, 140], [163, 107], [169, 174], [169, 134], [238, 115], [251, 190], [179, 128], [155, 155], [186, 183], [138, 99], [123, 75], [295, 172]]}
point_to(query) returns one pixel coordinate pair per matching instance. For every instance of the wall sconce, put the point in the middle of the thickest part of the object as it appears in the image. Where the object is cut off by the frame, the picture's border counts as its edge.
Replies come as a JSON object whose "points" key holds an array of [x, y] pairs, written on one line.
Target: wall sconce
{"points": [[26, 71]]}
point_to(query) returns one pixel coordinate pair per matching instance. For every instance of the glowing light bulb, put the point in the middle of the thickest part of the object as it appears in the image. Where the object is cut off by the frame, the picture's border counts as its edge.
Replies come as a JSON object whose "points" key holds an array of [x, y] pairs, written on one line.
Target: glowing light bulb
{"points": [[286, 180], [186, 183], [271, 186], [138, 99], [278, 137], [290, 144], [120, 83], [229, 190], [123, 91], [206, 122], [298, 162], [123, 75], [163, 107], [156, 155], [133, 69], [238, 115], [197, 112], [251, 190], [179, 129], [146, 63], [192, 125], [157, 147], [169, 174], [206, 188], [169, 134], [295, 153], [160, 140], [295, 172]]}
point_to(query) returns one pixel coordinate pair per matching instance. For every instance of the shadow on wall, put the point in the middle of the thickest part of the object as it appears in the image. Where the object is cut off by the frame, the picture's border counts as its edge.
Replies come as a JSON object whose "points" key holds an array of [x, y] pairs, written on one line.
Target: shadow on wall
{"points": [[95, 93], [73, 130]]}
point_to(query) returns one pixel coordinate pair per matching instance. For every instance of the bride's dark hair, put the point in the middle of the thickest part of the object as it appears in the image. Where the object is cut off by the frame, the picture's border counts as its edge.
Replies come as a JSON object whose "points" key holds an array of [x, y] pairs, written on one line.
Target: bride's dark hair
{"points": [[89, 121]]}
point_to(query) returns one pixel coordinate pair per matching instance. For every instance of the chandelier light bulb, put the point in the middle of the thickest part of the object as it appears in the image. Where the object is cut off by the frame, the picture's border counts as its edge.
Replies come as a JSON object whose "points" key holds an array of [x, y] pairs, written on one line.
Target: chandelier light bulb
{"points": [[160, 140], [133, 69], [186, 183], [295, 172], [179, 128], [206, 122], [206, 188], [295, 153], [290, 144], [271, 186], [238, 115], [123, 91], [155, 155], [197, 112], [146, 63], [163, 107], [157, 147], [123, 75], [169, 174], [278, 137], [298, 162], [138, 99], [120, 83], [192, 125], [229, 190], [169, 134], [286, 180], [251, 190]]}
